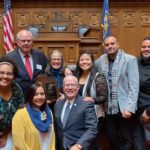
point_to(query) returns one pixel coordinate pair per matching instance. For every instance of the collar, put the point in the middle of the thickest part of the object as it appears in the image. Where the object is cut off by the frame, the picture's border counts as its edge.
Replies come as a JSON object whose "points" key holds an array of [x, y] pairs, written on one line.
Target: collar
{"points": [[22, 54], [70, 101]]}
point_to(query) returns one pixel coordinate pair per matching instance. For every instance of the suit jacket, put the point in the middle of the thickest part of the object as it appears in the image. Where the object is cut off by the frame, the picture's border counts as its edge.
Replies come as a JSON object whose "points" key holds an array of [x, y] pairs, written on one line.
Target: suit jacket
{"points": [[39, 65], [81, 125], [128, 81]]}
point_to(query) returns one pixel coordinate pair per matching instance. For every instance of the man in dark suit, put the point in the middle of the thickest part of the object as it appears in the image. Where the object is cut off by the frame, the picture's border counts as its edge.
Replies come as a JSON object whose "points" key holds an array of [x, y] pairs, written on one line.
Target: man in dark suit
{"points": [[74, 130], [24, 55]]}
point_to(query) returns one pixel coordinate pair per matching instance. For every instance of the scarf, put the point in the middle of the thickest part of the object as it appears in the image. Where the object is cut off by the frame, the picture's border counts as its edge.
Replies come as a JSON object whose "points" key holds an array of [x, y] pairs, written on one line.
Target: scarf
{"points": [[113, 98], [57, 75], [41, 120]]}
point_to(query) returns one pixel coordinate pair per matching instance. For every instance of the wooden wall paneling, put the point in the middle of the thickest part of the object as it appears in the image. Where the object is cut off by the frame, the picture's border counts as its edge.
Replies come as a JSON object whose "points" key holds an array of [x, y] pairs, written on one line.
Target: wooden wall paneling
{"points": [[72, 53], [21, 19], [128, 32], [144, 23], [40, 18], [76, 18], [59, 47], [115, 22], [93, 19], [130, 21], [125, 25]]}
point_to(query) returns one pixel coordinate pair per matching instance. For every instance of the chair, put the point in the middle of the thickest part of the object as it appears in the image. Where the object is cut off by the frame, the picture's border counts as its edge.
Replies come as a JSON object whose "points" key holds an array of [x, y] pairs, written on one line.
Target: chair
{"points": [[34, 29], [82, 30]]}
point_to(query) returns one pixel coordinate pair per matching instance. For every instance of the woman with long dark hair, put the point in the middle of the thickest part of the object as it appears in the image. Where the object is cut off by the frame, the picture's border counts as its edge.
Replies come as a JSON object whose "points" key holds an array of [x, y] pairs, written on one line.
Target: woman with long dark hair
{"points": [[32, 126], [93, 86]]}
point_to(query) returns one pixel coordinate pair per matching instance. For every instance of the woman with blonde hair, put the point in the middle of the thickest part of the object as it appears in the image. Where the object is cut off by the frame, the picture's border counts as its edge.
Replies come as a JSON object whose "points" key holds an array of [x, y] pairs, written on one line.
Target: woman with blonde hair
{"points": [[53, 77]]}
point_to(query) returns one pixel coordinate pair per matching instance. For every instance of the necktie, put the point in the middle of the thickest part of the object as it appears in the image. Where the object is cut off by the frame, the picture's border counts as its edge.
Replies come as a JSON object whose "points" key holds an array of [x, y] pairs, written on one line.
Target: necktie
{"points": [[28, 65], [66, 113]]}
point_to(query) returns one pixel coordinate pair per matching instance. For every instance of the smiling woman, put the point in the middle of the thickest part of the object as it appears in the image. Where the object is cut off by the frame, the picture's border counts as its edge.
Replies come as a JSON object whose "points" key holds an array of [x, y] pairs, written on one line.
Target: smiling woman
{"points": [[93, 86], [34, 122], [53, 77], [11, 98]]}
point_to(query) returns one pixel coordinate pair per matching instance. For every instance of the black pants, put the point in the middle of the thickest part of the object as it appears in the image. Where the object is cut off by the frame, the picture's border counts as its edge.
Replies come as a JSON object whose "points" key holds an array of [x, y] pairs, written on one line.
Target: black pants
{"points": [[95, 145], [137, 131], [118, 131]]}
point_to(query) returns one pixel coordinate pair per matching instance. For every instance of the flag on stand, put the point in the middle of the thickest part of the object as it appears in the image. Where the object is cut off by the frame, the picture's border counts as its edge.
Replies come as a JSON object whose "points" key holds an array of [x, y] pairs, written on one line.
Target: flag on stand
{"points": [[105, 20], [8, 28]]}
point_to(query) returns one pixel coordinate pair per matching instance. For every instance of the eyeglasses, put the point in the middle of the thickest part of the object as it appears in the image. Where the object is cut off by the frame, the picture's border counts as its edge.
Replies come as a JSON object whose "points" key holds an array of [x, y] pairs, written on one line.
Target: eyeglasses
{"points": [[8, 74], [25, 41], [56, 59], [70, 85]]}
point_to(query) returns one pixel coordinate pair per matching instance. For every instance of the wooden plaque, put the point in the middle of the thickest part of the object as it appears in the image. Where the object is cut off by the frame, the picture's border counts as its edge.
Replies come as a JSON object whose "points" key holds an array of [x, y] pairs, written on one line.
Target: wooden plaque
{"points": [[49, 84]]}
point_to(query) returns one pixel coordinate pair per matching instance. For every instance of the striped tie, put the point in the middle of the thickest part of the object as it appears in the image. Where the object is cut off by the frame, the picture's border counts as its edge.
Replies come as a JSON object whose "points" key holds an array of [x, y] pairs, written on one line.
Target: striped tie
{"points": [[66, 113]]}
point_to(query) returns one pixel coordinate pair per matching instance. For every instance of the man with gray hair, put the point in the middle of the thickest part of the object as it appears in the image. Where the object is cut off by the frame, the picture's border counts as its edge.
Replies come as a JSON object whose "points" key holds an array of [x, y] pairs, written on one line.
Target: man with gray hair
{"points": [[75, 119], [30, 62]]}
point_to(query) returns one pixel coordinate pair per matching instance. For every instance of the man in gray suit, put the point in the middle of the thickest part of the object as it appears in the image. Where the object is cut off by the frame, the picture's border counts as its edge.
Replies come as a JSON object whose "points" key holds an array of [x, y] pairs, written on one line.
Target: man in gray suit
{"points": [[121, 72], [77, 128]]}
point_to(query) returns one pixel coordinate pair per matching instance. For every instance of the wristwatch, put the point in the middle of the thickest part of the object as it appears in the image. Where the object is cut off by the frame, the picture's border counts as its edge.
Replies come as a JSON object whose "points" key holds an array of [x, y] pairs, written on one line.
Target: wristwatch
{"points": [[79, 146]]}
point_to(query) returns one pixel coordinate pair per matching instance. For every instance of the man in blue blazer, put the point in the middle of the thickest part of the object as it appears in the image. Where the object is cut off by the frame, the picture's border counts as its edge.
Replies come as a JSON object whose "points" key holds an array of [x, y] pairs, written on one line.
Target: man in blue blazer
{"points": [[79, 129], [37, 59]]}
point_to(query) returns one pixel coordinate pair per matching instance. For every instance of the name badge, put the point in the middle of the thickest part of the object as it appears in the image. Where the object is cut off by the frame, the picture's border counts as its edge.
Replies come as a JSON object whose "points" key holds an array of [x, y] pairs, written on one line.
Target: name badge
{"points": [[39, 67]]}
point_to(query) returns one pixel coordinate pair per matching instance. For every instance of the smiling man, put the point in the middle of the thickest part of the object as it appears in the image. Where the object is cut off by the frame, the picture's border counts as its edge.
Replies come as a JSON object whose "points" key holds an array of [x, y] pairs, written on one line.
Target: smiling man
{"points": [[30, 62], [143, 112], [121, 72], [75, 119]]}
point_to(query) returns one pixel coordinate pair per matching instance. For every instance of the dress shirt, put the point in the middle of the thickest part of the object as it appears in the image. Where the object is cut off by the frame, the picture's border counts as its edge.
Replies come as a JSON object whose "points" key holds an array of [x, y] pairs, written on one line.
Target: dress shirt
{"points": [[64, 107], [30, 59]]}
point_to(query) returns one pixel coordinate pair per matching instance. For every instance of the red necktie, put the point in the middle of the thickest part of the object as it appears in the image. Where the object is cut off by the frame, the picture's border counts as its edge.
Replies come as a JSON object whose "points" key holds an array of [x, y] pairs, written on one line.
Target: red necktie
{"points": [[28, 65]]}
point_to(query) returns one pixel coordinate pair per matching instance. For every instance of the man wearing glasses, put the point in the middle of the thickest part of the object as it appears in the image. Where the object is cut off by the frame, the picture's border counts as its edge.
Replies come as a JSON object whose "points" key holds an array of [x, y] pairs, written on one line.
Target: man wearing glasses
{"points": [[75, 119], [30, 62]]}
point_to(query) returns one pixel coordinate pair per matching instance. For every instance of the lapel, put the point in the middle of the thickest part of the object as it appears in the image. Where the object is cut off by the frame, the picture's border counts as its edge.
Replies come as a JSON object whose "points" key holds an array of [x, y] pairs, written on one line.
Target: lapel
{"points": [[104, 64], [19, 60], [73, 110], [34, 61], [121, 63], [21, 64], [60, 111]]}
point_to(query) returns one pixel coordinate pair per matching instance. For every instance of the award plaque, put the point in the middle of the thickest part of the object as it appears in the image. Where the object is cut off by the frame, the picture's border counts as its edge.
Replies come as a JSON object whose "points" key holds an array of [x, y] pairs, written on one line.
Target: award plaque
{"points": [[52, 93]]}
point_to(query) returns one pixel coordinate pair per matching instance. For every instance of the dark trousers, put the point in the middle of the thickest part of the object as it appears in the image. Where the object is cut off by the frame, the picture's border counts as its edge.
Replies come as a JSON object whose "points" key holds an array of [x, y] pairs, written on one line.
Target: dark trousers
{"points": [[118, 131], [137, 132], [95, 145]]}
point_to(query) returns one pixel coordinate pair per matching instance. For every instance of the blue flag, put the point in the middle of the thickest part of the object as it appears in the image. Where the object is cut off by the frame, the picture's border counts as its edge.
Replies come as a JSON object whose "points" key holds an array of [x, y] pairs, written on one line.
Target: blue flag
{"points": [[105, 20]]}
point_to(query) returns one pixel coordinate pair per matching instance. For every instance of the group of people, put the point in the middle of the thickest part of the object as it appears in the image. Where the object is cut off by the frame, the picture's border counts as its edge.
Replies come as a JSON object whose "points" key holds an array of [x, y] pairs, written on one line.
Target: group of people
{"points": [[45, 105]]}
